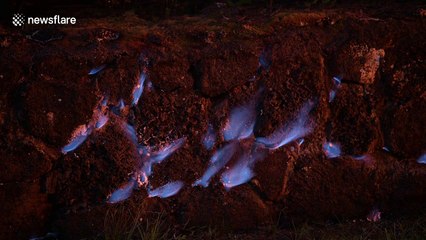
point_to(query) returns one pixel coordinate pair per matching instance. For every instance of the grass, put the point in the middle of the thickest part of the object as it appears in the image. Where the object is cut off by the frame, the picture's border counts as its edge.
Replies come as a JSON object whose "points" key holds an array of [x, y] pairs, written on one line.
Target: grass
{"points": [[125, 222], [414, 229]]}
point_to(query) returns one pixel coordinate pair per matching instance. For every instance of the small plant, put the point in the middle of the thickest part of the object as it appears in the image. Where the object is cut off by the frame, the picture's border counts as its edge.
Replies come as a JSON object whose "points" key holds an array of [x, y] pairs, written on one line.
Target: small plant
{"points": [[124, 222]]}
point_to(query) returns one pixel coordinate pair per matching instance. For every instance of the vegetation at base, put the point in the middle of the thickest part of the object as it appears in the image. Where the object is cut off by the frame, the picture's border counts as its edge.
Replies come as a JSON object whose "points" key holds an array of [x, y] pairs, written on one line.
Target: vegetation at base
{"points": [[125, 222]]}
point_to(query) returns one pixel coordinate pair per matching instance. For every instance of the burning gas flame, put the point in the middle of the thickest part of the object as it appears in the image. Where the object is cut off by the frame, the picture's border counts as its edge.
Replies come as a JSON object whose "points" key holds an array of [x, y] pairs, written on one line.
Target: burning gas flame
{"points": [[217, 162], [298, 128], [209, 138], [167, 190], [386, 149], [149, 86], [96, 70], [242, 172], [336, 84], [79, 136], [122, 193], [239, 174], [155, 158], [137, 91], [160, 155], [366, 158], [374, 216], [130, 132], [141, 177], [265, 58], [103, 119], [332, 150], [104, 101], [121, 104], [360, 157], [422, 159], [241, 122]]}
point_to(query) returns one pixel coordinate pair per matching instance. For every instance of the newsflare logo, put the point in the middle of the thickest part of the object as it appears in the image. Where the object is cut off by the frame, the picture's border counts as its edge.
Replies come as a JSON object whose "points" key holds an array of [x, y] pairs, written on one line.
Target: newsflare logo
{"points": [[20, 20]]}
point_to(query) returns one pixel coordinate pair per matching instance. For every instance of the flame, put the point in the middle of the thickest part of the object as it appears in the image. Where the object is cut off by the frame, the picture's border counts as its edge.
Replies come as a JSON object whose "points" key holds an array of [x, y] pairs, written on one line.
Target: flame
{"points": [[374, 216], [121, 104], [332, 150], [242, 172], [122, 193], [386, 149], [137, 91], [422, 159], [336, 85], [96, 70], [149, 85], [167, 190], [104, 101], [80, 134], [265, 58], [337, 81], [103, 119], [217, 162], [209, 138], [360, 157], [130, 132], [119, 107], [166, 151], [298, 128], [154, 158], [241, 122], [332, 95]]}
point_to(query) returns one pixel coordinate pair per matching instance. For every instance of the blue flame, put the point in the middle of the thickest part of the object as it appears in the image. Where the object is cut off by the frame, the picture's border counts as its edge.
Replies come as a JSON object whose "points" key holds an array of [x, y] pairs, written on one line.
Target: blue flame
{"points": [[104, 101], [359, 157], [332, 95], [166, 151], [239, 174], [122, 193], [265, 60], [155, 158], [96, 70], [297, 129], [167, 190], [332, 150], [242, 172], [209, 138], [149, 85], [374, 216], [386, 149], [422, 159], [79, 137], [336, 84], [131, 133], [137, 91], [241, 122], [121, 104], [103, 119], [337, 81], [217, 162]]}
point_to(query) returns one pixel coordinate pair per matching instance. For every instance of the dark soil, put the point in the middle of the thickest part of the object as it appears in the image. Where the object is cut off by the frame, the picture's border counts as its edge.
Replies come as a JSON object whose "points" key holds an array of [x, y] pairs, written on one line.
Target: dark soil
{"points": [[200, 68]]}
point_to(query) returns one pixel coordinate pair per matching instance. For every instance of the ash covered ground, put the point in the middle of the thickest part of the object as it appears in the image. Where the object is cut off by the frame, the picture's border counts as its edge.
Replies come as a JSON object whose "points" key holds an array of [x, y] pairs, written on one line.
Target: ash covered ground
{"points": [[362, 72]]}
